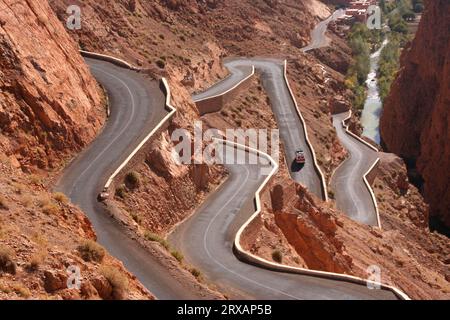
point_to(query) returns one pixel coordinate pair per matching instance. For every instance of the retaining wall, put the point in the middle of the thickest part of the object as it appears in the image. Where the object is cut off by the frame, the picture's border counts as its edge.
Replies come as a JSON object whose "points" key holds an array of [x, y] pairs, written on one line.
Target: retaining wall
{"points": [[217, 102]]}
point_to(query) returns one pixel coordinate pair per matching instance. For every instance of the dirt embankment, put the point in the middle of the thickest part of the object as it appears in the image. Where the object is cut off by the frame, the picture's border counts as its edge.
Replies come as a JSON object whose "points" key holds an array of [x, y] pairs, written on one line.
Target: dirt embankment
{"points": [[50, 107], [416, 116]]}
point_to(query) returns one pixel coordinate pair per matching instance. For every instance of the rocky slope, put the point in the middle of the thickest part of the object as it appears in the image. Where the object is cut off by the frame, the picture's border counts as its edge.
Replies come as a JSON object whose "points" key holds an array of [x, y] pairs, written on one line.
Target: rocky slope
{"points": [[50, 107], [190, 39], [187, 41], [50, 104], [416, 117]]}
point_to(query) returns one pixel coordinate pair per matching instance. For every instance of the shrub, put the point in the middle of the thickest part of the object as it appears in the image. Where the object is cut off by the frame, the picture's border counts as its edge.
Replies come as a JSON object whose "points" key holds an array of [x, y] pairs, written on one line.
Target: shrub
{"points": [[35, 261], [136, 217], [177, 255], [91, 251], [277, 256], [43, 201], [418, 8], [154, 237], [6, 261], [121, 191], [133, 179], [117, 280], [196, 273], [60, 197], [161, 64], [50, 209]]}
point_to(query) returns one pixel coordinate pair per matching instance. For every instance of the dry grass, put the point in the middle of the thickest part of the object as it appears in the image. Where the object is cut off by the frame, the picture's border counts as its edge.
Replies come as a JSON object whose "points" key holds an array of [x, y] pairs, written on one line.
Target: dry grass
{"points": [[43, 200], [196, 273], [177, 255], [60, 197], [121, 191], [91, 251], [40, 240], [50, 209], [19, 188], [26, 200], [37, 260], [34, 179], [7, 263], [17, 288], [117, 280], [154, 237]]}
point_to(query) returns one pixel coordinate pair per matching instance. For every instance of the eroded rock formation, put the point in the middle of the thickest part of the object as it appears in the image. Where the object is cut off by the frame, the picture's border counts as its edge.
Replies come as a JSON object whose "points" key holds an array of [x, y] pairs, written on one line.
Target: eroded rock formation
{"points": [[416, 116]]}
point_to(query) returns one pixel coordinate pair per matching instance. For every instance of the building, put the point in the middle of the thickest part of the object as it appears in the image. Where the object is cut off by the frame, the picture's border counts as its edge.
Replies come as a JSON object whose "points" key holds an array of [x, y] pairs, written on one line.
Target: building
{"points": [[357, 10]]}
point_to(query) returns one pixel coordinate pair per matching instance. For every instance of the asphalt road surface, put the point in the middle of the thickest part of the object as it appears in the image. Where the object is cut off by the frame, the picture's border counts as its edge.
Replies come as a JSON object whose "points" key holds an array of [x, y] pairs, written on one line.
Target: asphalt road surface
{"points": [[352, 195], [206, 240], [237, 74], [291, 128], [318, 37], [137, 105]]}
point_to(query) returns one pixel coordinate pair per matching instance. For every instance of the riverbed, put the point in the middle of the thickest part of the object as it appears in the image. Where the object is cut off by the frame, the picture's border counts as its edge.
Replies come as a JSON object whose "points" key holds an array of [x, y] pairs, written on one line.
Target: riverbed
{"points": [[370, 118]]}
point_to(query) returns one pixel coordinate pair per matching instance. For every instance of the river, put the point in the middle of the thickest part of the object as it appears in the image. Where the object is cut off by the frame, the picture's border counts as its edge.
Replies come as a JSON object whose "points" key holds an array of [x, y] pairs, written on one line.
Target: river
{"points": [[370, 118]]}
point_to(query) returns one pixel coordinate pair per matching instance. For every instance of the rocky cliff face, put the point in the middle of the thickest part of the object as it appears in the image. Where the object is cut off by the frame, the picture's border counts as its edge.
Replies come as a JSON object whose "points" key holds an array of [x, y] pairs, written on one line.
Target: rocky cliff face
{"points": [[49, 102], [50, 106], [416, 116]]}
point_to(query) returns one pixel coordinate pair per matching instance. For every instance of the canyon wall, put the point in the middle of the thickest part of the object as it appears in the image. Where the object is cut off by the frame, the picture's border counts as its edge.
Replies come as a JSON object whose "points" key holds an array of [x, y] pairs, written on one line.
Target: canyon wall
{"points": [[50, 107], [49, 102], [416, 116]]}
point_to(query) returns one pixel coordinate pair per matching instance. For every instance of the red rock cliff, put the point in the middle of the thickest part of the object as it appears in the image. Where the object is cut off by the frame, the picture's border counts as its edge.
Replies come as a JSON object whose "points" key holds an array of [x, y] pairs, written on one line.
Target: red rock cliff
{"points": [[49, 102], [416, 116]]}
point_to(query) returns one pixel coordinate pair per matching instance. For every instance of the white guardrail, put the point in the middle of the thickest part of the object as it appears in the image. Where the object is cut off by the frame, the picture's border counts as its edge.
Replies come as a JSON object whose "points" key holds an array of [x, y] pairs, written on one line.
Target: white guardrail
{"points": [[366, 182], [253, 259]]}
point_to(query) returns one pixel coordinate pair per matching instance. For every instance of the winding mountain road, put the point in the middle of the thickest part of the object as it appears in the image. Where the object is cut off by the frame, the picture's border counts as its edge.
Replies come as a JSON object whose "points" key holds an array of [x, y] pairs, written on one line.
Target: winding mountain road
{"points": [[206, 240], [136, 106], [352, 195], [291, 128], [318, 35]]}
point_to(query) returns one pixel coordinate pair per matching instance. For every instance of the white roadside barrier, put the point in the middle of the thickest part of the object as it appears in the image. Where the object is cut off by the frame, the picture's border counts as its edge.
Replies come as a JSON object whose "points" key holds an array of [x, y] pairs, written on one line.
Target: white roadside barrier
{"points": [[248, 257], [114, 60]]}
